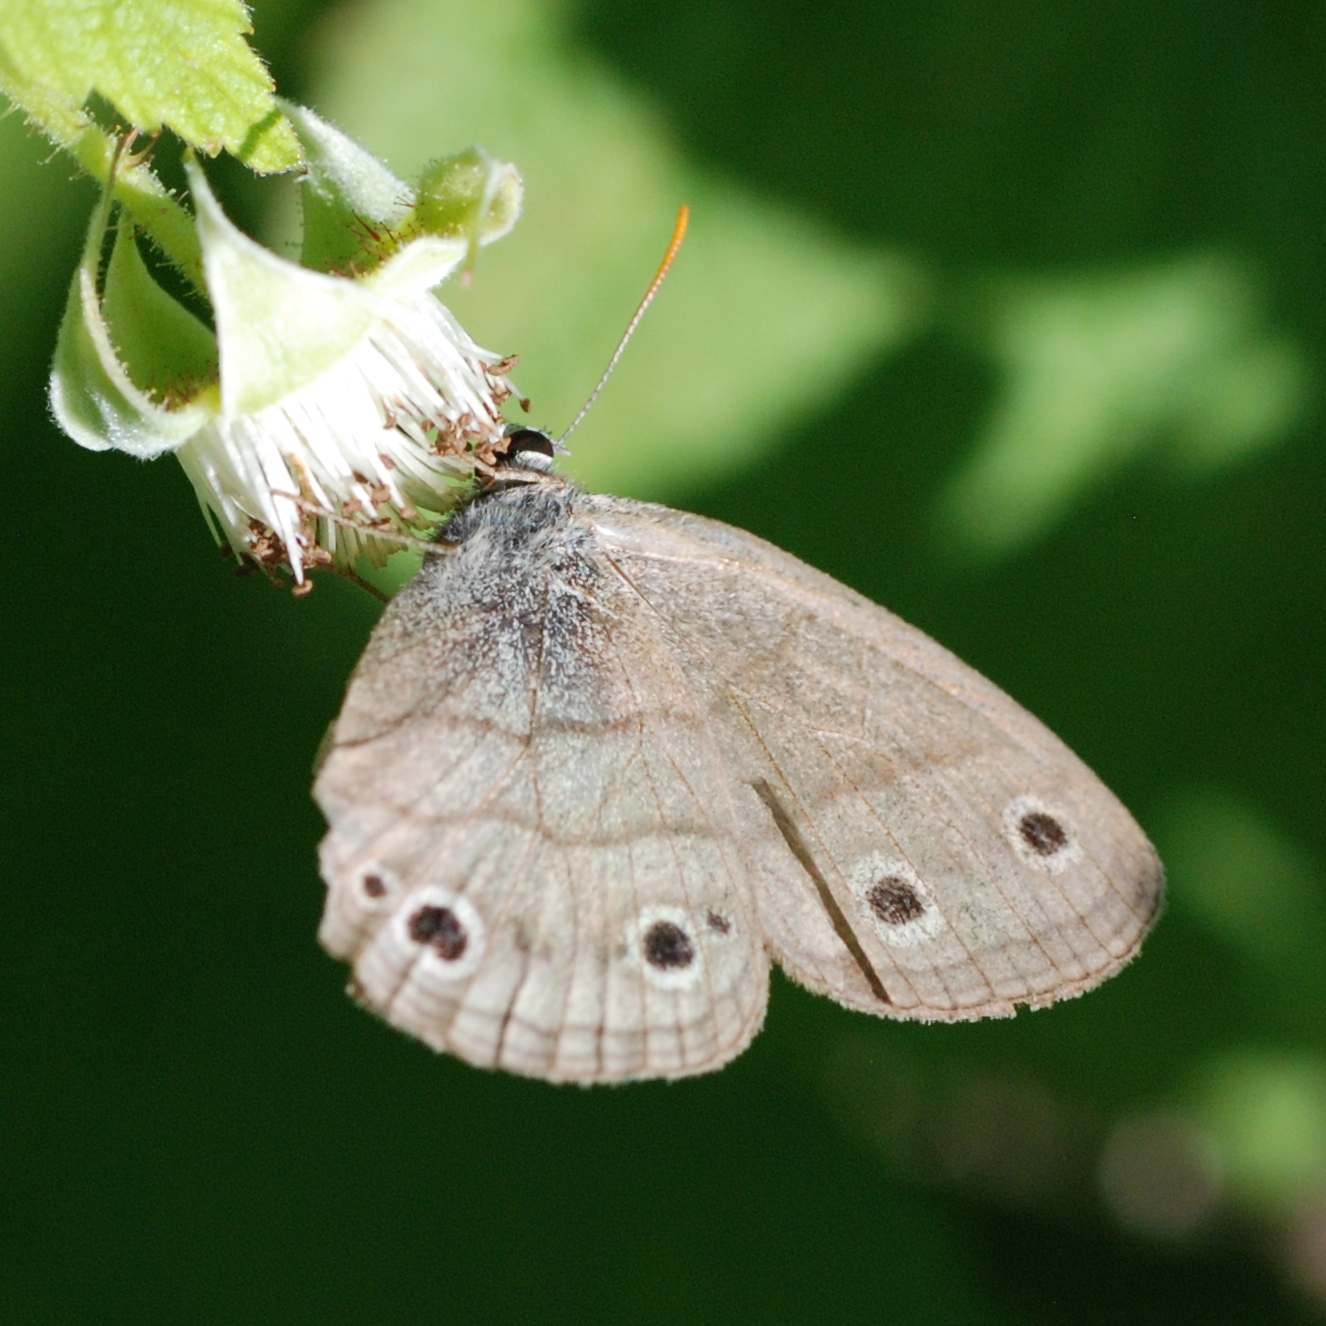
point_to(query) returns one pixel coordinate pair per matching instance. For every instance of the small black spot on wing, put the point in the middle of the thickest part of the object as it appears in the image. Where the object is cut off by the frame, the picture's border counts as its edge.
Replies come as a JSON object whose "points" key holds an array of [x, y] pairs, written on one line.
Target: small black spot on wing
{"points": [[374, 885], [718, 923], [667, 946], [441, 929], [894, 901], [1042, 833]]}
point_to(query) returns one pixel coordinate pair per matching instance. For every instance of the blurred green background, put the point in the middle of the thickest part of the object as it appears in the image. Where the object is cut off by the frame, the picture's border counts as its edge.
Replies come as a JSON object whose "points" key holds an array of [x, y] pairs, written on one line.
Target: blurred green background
{"points": [[1011, 316]]}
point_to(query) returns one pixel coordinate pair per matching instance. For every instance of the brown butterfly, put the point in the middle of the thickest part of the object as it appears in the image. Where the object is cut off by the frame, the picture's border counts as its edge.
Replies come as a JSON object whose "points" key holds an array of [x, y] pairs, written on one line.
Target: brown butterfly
{"points": [[602, 762]]}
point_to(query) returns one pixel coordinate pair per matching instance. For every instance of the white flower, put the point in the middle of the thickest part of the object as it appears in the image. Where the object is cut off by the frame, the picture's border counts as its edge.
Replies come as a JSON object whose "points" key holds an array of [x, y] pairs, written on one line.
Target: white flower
{"points": [[385, 432], [327, 409]]}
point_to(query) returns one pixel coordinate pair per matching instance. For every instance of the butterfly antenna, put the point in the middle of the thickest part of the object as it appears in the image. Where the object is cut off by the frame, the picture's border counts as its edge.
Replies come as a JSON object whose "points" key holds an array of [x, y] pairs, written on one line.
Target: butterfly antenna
{"points": [[678, 234]]}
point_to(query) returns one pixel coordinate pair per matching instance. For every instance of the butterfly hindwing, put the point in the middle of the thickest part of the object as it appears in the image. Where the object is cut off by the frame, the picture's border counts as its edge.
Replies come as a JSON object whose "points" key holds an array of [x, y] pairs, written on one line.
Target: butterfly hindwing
{"points": [[532, 860]]}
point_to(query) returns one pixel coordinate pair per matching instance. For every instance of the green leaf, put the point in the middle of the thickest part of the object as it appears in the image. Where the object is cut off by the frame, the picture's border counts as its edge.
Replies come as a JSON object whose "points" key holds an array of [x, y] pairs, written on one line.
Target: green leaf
{"points": [[1235, 870], [184, 64], [1101, 367], [1267, 1113]]}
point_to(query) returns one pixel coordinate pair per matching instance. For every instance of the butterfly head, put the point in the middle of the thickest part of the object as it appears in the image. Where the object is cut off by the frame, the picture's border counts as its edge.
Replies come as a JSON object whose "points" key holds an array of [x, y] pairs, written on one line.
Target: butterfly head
{"points": [[529, 449]]}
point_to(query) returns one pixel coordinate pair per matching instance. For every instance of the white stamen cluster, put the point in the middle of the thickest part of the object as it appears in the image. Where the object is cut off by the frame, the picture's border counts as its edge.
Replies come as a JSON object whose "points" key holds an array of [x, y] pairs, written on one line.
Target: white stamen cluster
{"points": [[377, 445]]}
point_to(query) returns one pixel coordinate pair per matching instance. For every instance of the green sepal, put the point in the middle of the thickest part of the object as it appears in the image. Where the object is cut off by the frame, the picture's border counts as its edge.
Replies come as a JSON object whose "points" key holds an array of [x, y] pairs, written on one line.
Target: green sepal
{"points": [[470, 196], [92, 395], [164, 348], [358, 215], [354, 207], [279, 326]]}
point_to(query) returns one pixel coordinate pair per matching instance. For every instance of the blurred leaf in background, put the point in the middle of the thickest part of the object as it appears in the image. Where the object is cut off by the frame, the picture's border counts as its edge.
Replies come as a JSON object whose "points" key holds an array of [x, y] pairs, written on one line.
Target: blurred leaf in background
{"points": [[769, 315], [1099, 368], [1249, 882]]}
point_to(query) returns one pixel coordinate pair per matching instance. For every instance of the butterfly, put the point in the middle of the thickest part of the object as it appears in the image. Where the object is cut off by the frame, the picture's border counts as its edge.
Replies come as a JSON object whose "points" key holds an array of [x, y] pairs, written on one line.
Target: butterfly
{"points": [[603, 763]]}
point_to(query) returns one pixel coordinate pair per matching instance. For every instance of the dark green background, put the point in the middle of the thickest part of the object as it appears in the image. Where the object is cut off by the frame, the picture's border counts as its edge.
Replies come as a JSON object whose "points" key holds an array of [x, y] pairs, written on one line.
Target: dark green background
{"points": [[197, 1126]]}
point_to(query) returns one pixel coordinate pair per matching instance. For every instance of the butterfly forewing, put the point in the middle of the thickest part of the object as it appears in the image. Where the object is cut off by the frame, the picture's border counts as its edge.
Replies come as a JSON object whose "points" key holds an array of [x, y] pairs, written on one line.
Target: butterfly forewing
{"points": [[925, 848], [603, 758]]}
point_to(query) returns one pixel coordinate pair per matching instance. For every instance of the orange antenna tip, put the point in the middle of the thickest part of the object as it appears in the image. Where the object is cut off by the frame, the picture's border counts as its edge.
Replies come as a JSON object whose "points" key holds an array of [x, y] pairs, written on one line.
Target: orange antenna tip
{"points": [[678, 234]]}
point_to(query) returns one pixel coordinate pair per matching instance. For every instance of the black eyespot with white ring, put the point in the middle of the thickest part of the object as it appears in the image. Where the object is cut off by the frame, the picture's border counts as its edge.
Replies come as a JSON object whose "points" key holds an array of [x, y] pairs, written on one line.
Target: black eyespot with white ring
{"points": [[1041, 834], [443, 930], [375, 887], [664, 941], [894, 899]]}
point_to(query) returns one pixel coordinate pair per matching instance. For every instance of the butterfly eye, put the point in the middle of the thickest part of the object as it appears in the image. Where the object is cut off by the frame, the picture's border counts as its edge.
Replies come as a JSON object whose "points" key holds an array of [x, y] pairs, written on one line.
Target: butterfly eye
{"points": [[527, 448], [894, 901]]}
